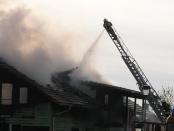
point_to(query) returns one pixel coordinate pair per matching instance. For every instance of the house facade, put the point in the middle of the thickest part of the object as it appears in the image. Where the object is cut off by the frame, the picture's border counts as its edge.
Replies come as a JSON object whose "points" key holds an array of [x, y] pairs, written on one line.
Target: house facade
{"points": [[26, 105]]}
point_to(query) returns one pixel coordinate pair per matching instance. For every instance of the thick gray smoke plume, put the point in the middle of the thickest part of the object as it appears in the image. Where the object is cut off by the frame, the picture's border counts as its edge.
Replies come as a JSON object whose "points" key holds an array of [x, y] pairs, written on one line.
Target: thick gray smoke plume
{"points": [[23, 45], [27, 45]]}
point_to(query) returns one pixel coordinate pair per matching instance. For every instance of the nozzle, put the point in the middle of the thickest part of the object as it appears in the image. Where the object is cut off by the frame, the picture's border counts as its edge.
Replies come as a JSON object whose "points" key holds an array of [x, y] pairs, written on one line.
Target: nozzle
{"points": [[107, 23]]}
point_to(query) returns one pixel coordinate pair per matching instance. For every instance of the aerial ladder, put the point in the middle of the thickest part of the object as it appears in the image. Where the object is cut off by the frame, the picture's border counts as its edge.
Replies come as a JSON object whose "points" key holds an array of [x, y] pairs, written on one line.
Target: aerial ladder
{"points": [[142, 81]]}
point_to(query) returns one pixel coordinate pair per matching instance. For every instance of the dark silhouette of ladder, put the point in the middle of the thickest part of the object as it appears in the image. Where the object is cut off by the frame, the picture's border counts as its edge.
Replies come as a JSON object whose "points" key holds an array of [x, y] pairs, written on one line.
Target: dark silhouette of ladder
{"points": [[153, 98]]}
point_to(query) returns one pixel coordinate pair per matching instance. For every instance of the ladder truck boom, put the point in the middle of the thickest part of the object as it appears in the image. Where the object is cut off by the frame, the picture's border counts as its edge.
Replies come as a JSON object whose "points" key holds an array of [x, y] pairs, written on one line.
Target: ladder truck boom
{"points": [[142, 81]]}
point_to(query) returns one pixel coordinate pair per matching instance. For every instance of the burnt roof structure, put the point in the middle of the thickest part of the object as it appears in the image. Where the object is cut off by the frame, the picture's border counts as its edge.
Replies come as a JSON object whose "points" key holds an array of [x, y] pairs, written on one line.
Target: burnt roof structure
{"points": [[60, 96], [68, 95], [124, 91]]}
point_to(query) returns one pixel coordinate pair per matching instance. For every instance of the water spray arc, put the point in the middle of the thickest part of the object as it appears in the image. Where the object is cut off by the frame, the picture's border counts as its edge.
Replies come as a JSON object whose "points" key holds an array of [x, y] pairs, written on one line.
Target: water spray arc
{"points": [[84, 70]]}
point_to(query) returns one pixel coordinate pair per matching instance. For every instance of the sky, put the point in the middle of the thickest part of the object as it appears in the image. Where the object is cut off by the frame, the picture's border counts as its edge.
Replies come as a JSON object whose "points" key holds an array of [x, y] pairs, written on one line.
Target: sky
{"points": [[146, 27]]}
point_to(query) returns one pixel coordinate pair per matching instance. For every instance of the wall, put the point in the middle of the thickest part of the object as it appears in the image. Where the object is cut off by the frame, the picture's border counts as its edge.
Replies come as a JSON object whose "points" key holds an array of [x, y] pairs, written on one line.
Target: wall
{"points": [[38, 115]]}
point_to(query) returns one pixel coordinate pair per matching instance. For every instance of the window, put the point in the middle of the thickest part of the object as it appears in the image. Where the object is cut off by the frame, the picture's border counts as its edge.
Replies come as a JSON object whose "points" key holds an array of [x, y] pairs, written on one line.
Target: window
{"points": [[75, 129], [106, 99], [23, 95], [6, 96]]}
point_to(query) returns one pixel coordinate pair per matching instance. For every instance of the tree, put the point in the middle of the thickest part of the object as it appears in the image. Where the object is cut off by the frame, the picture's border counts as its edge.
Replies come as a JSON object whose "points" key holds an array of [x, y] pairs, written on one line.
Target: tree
{"points": [[167, 97], [167, 94]]}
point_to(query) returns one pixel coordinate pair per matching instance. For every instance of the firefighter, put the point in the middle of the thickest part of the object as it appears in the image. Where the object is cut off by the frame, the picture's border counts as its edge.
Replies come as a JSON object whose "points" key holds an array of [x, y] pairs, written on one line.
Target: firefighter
{"points": [[170, 121]]}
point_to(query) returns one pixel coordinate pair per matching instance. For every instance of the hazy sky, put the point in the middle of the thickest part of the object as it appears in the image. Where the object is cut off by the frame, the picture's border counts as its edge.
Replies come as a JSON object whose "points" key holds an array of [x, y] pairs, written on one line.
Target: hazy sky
{"points": [[146, 27]]}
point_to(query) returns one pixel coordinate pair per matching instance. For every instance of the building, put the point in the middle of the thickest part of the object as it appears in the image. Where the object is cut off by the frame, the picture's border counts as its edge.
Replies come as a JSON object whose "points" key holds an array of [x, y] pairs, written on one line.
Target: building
{"points": [[26, 105]]}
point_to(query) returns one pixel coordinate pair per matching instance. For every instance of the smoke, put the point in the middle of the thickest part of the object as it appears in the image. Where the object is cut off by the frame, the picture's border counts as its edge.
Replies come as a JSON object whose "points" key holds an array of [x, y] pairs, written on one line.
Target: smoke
{"points": [[85, 69], [30, 43], [21, 44]]}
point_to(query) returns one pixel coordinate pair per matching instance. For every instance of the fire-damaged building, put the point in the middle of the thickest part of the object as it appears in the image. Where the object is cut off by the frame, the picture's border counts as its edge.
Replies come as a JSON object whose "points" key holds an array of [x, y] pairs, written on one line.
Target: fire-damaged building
{"points": [[26, 105]]}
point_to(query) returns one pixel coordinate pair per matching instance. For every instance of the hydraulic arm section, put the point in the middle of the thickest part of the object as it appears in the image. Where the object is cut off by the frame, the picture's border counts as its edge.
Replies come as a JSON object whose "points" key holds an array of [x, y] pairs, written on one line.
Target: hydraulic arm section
{"points": [[153, 98]]}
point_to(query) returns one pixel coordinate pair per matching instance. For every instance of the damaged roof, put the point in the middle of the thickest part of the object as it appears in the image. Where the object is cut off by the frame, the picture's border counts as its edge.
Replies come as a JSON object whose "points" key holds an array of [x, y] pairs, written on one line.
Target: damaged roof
{"points": [[60, 96], [69, 95], [124, 91]]}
